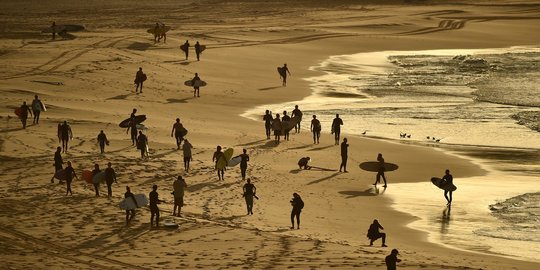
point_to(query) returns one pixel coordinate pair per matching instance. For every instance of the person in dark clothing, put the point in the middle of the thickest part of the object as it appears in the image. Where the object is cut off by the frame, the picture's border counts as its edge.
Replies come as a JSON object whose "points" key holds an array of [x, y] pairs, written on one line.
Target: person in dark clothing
{"points": [[140, 77], [344, 154], [303, 163], [336, 128], [215, 158], [297, 205], [195, 83], [186, 149], [316, 129], [244, 158], [179, 187], [102, 140], [186, 49], [142, 143], [110, 177], [95, 171], [277, 126], [25, 110], [449, 180], [268, 123], [59, 132], [133, 113], [66, 134], [130, 214], [70, 173], [154, 210], [37, 108], [198, 50], [133, 127], [284, 75], [178, 129], [57, 162], [296, 112], [285, 119], [380, 172], [250, 191], [391, 260], [53, 26], [374, 233]]}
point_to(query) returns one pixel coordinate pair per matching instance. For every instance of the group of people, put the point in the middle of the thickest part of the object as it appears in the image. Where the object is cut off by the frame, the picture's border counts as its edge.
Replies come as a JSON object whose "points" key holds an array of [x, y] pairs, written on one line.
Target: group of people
{"points": [[160, 33], [198, 49], [34, 110]]}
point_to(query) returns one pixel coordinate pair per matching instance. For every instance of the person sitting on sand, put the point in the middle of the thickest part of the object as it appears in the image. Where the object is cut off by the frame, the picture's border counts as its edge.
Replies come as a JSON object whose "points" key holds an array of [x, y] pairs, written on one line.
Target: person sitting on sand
{"points": [[110, 177], [267, 118], [130, 214], [336, 128], [316, 129], [374, 233], [102, 140], [186, 149], [154, 209], [37, 108], [95, 171], [284, 75], [344, 154], [66, 134], [142, 144], [25, 110], [195, 83], [380, 172], [297, 205], [250, 191], [284, 121], [179, 186], [297, 113], [178, 129], [58, 162], [448, 180], [215, 158], [70, 173], [303, 163], [391, 260], [277, 126]]}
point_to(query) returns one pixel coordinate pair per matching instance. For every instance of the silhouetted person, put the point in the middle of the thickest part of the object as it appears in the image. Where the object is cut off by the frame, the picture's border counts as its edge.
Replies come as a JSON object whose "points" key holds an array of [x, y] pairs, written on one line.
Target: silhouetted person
{"points": [[268, 123], [380, 172], [179, 187], [186, 47], [297, 206], [37, 108], [142, 143], [95, 171], [250, 191], [110, 177], [154, 210], [195, 83], [178, 129], [215, 158], [284, 74], [25, 110], [284, 119], [156, 31], [66, 134], [102, 140], [296, 112], [140, 77], [198, 50], [57, 162], [244, 158], [303, 163], [336, 128], [373, 233], [59, 132], [130, 214], [70, 173], [391, 260], [163, 33], [277, 126], [449, 180], [186, 149], [344, 155], [133, 127], [53, 26], [316, 129]]}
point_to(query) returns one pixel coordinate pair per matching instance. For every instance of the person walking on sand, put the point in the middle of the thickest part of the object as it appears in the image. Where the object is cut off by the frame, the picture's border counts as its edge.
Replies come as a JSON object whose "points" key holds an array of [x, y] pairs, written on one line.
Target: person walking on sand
{"points": [[198, 50], [185, 48], [277, 126], [133, 127], [283, 74], [449, 181], [66, 134], [140, 77], [102, 140], [154, 209], [156, 31], [110, 177], [215, 158], [316, 129], [391, 260], [142, 144], [250, 191], [195, 83], [179, 187], [374, 233], [95, 171], [130, 214], [303, 163], [380, 172], [336, 128], [297, 113], [344, 155], [297, 206], [244, 158], [285, 122], [70, 173], [178, 129], [267, 118], [186, 149], [37, 108], [25, 110], [58, 162], [53, 27]]}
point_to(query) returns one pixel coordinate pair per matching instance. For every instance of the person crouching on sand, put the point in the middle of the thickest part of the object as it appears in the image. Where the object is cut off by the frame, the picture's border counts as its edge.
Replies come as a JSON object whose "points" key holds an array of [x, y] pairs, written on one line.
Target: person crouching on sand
{"points": [[374, 233], [303, 163], [297, 205]]}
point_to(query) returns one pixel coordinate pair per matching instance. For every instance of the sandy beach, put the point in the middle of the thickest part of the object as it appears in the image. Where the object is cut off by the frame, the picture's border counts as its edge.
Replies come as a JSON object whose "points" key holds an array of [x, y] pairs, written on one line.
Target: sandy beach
{"points": [[88, 81]]}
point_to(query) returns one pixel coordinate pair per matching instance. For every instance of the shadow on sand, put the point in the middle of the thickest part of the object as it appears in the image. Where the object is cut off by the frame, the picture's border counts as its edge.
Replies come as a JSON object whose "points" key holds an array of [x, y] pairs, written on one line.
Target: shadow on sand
{"points": [[269, 88], [372, 191], [139, 46]]}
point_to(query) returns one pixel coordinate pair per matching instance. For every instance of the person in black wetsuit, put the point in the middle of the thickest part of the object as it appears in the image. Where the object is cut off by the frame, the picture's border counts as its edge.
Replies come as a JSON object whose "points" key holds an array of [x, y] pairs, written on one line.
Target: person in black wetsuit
{"points": [[316, 129], [284, 74], [277, 126], [285, 119], [449, 180], [380, 172], [186, 51], [344, 155], [303, 163], [142, 142], [110, 177], [195, 84], [57, 162], [297, 205], [154, 209], [66, 134], [70, 173], [250, 191], [25, 110], [102, 140], [268, 123], [177, 129], [391, 260], [139, 79], [296, 112], [198, 50], [130, 214], [215, 158], [374, 233], [133, 127], [95, 171], [336, 128], [244, 158]]}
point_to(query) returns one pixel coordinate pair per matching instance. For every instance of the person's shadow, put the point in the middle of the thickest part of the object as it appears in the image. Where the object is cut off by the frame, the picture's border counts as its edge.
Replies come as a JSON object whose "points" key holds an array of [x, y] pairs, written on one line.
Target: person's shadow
{"points": [[445, 220], [372, 191]]}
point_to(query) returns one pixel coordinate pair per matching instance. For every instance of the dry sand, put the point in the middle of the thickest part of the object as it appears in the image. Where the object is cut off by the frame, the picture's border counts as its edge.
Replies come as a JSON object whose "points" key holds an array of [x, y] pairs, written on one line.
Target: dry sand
{"points": [[41, 228]]}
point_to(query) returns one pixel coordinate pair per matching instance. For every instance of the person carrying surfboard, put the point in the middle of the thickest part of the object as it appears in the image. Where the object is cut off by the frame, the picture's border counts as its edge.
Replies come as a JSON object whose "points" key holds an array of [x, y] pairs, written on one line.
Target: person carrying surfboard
{"points": [[198, 50], [186, 149], [267, 118], [284, 120], [95, 171], [133, 127], [53, 26], [297, 205], [156, 31], [381, 170], [185, 48], [102, 140], [110, 177], [140, 77], [316, 129], [374, 233], [217, 155], [336, 128], [66, 134], [277, 126], [25, 110], [130, 214], [37, 108], [283, 73], [70, 173], [179, 187], [195, 82], [449, 180], [142, 143], [250, 191], [178, 129], [297, 113]]}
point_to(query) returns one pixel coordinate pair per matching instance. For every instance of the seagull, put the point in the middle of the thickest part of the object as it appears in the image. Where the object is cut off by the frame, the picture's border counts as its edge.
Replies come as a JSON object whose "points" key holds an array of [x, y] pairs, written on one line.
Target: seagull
{"points": [[409, 136], [428, 137], [364, 133], [438, 140]]}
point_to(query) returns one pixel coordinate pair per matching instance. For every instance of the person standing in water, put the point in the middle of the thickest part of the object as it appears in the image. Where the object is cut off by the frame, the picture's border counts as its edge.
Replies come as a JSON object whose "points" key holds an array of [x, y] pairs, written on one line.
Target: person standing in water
{"points": [[215, 158], [25, 110], [96, 183], [186, 149], [140, 77], [244, 158], [316, 129], [130, 214], [142, 144], [70, 173], [391, 260], [110, 177], [449, 181], [102, 140], [154, 209], [250, 191], [268, 123], [277, 126], [336, 128], [284, 120], [198, 50], [58, 162], [186, 49], [297, 113], [374, 233], [178, 130], [285, 71], [179, 187], [66, 134], [37, 108], [344, 155], [380, 172], [297, 205], [195, 83]]}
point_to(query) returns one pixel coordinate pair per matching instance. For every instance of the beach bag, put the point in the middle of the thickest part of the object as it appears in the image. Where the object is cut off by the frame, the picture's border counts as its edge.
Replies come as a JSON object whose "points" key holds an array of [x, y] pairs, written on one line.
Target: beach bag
{"points": [[143, 77]]}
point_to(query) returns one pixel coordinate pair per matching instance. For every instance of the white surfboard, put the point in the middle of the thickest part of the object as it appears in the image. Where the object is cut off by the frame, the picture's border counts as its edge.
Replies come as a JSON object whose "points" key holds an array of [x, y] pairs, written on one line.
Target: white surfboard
{"points": [[129, 204], [234, 161]]}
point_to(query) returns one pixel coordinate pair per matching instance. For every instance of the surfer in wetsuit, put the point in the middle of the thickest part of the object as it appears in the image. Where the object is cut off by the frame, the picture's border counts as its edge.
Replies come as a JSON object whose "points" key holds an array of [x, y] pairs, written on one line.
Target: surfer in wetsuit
{"points": [[178, 129], [303, 163], [142, 142], [37, 108], [70, 173], [344, 154], [133, 127], [95, 171], [185, 48], [284, 119], [195, 84], [268, 123], [336, 128], [283, 73], [25, 110], [102, 140], [186, 149], [66, 134], [156, 35], [449, 181], [250, 191], [244, 158], [130, 214], [316, 129], [139, 79], [198, 50], [296, 112], [391, 260], [215, 158], [380, 172], [179, 187], [57, 162], [154, 209], [110, 177], [53, 26], [374, 233], [297, 205], [277, 126]]}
